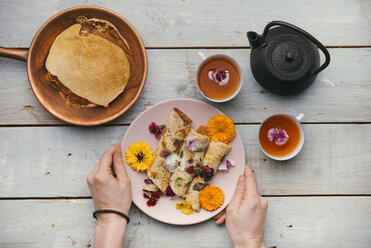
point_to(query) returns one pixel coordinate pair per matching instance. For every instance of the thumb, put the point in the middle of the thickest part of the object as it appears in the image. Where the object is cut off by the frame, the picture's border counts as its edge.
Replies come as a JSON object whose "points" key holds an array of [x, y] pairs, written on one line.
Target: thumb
{"points": [[238, 194], [118, 164]]}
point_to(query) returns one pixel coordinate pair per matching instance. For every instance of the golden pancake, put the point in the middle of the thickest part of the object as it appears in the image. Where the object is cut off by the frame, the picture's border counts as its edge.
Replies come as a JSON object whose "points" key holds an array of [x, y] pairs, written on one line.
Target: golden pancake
{"points": [[90, 66]]}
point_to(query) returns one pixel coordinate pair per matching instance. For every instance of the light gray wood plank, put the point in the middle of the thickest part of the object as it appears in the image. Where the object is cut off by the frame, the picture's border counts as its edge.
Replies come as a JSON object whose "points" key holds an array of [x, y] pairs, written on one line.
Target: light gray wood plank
{"points": [[54, 161], [291, 222], [341, 93], [202, 23]]}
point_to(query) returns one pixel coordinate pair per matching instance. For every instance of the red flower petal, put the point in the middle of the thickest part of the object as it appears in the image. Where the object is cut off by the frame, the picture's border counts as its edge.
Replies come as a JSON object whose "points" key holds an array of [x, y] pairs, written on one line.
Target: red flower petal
{"points": [[156, 195], [169, 192], [190, 169], [146, 195], [151, 202], [155, 129]]}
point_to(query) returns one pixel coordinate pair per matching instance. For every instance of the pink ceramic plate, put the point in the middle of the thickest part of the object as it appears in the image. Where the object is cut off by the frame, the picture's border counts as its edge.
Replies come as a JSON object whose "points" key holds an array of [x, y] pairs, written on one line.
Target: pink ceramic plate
{"points": [[200, 113]]}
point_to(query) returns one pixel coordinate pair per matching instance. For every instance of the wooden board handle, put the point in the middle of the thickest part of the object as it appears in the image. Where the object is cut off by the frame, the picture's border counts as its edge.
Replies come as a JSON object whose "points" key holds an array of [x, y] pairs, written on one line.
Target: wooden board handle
{"points": [[14, 53]]}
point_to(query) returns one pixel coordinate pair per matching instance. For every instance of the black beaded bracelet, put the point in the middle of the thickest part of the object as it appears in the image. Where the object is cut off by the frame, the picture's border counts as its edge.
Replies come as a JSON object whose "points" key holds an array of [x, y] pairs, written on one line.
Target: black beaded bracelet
{"points": [[111, 211]]}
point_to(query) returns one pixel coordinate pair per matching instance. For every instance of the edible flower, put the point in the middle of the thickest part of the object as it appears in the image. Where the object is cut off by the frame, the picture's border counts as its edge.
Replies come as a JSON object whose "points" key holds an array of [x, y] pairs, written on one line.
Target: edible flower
{"points": [[169, 192], [221, 77], [172, 162], [139, 156], [279, 136], [148, 181], [192, 143], [227, 165], [165, 152], [152, 197], [221, 128], [190, 169], [179, 181], [211, 198], [184, 207], [156, 130], [203, 171]]}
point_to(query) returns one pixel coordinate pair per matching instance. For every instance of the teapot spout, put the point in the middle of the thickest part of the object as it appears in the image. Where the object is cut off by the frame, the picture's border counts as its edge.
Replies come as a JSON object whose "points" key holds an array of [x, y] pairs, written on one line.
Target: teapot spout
{"points": [[254, 39]]}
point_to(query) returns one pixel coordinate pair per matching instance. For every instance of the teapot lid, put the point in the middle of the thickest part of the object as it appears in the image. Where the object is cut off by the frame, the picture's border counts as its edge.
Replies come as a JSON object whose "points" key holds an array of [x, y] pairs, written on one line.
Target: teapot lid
{"points": [[289, 57]]}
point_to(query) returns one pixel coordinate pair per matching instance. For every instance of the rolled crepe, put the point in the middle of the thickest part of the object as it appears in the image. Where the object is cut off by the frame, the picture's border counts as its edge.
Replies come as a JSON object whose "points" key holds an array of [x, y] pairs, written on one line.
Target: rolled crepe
{"points": [[177, 127], [180, 180], [149, 186], [213, 158]]}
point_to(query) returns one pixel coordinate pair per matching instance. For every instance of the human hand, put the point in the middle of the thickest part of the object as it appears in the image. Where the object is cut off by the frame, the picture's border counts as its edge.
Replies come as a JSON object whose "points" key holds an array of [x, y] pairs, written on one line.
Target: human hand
{"points": [[245, 215], [110, 185]]}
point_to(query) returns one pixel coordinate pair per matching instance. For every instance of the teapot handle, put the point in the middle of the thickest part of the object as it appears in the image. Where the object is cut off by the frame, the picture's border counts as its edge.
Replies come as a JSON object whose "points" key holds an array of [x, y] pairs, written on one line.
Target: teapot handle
{"points": [[305, 34]]}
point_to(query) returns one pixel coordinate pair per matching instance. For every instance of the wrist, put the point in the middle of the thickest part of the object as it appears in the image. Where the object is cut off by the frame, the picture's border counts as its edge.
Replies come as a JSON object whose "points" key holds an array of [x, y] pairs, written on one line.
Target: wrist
{"points": [[110, 230], [108, 219], [249, 244]]}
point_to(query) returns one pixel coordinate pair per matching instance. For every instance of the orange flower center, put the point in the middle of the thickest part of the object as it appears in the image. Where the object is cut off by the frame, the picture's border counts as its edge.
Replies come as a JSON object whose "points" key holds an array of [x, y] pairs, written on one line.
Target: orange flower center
{"points": [[221, 128]]}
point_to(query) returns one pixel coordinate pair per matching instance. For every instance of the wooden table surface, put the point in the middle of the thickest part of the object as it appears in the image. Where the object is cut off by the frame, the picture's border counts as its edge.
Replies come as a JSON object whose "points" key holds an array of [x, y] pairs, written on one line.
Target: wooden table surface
{"points": [[321, 198]]}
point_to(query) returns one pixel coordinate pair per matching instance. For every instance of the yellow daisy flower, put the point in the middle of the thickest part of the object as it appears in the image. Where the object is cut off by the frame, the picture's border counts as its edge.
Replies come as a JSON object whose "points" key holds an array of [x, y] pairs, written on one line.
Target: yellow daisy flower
{"points": [[221, 128], [139, 156], [211, 198]]}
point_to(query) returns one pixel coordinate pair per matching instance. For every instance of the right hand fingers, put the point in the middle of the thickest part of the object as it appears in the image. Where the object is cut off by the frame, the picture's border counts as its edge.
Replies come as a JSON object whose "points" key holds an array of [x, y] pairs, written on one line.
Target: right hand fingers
{"points": [[250, 183], [238, 194], [216, 217], [221, 219]]}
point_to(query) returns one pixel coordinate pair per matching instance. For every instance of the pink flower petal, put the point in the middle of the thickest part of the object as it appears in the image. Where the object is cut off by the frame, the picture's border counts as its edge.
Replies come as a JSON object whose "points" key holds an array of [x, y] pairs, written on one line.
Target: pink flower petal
{"points": [[279, 137], [227, 165], [272, 134], [221, 77], [192, 143]]}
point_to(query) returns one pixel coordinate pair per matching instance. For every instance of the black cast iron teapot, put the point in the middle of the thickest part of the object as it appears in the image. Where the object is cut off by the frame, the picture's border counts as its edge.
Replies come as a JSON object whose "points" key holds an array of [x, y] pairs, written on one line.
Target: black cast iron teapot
{"points": [[285, 59]]}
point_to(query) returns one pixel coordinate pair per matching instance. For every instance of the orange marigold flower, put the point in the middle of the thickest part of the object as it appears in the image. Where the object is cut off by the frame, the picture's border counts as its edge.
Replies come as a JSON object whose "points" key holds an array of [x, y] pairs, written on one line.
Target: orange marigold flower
{"points": [[211, 198], [221, 128]]}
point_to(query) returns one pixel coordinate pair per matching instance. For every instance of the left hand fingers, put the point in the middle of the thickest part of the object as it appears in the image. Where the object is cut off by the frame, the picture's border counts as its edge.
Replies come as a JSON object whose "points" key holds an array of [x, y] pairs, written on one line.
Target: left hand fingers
{"points": [[90, 177], [106, 161], [118, 164]]}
